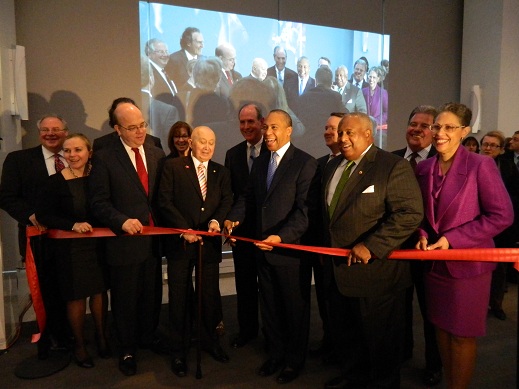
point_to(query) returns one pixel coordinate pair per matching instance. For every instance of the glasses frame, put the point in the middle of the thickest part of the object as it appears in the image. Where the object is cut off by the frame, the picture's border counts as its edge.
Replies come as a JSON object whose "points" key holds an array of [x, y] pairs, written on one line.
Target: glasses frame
{"points": [[143, 125], [448, 128]]}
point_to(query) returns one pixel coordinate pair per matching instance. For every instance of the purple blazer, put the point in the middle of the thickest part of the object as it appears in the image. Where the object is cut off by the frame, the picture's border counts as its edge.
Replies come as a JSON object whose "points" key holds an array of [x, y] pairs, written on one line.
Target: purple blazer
{"points": [[374, 106], [473, 207]]}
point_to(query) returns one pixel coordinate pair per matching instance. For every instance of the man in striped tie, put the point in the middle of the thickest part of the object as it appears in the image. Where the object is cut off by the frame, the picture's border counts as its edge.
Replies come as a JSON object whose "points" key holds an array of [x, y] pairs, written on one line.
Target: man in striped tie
{"points": [[194, 193]]}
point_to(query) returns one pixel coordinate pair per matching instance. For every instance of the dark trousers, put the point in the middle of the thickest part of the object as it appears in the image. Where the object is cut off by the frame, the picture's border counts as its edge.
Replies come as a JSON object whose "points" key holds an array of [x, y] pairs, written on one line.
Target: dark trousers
{"points": [[369, 334], [246, 279], [322, 304], [135, 301], [432, 354], [285, 309], [180, 270], [498, 286]]}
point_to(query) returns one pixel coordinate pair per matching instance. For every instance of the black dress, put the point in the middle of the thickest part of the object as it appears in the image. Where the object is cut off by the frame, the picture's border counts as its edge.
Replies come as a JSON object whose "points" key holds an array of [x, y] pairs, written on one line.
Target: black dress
{"points": [[80, 262]]}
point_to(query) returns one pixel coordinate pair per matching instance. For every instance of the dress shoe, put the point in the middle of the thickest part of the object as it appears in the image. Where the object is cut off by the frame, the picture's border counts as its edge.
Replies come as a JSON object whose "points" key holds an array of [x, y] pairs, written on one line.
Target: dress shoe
{"points": [[127, 365], [157, 345], [338, 383], [179, 367], [86, 363], [269, 367], [431, 378], [240, 340], [499, 313], [287, 375], [218, 354]]}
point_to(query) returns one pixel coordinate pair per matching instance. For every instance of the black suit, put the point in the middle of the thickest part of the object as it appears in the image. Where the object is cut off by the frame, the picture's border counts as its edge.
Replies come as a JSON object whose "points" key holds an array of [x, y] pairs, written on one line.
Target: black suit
{"points": [[107, 141], [24, 174], [176, 67], [380, 206], [182, 206], [245, 269], [116, 195], [284, 275], [224, 87], [290, 84], [433, 361]]}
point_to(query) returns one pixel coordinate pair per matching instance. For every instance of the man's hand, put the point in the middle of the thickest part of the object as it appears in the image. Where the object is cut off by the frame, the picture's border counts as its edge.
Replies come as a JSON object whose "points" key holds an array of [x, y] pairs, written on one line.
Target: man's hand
{"points": [[132, 226], [214, 226], [82, 227], [35, 223], [359, 254], [192, 238], [228, 226], [263, 245]]}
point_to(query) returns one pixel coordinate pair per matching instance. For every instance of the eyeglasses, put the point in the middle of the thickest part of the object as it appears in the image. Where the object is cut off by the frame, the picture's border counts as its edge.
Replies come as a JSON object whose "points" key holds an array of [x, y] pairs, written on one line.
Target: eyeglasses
{"points": [[141, 126], [45, 130], [421, 126], [161, 52], [490, 146], [447, 127]]}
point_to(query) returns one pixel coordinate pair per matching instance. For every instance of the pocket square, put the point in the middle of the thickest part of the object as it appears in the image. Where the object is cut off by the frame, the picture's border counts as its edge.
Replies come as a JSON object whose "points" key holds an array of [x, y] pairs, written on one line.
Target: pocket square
{"points": [[369, 189], [350, 101]]}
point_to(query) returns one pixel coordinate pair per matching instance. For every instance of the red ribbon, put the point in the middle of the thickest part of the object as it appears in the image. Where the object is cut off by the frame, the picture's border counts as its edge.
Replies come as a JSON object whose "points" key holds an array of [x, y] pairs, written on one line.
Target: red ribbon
{"points": [[482, 255]]}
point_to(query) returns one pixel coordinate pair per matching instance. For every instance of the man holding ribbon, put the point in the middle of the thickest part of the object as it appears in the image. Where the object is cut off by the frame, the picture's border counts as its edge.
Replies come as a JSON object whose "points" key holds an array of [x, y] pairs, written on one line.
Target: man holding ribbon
{"points": [[371, 204], [280, 184]]}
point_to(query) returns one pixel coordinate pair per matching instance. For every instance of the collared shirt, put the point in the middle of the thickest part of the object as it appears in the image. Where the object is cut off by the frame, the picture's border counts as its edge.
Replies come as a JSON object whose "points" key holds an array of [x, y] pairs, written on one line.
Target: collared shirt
{"points": [[303, 86], [49, 160], [516, 158], [257, 146], [281, 152], [171, 85], [280, 74], [131, 154], [422, 154], [189, 56], [196, 162]]}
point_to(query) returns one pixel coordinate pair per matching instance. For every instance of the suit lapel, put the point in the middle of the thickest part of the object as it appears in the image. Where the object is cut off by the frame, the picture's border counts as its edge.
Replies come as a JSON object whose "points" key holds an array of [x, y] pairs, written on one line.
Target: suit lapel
{"points": [[282, 168], [127, 165], [212, 172], [190, 171]]}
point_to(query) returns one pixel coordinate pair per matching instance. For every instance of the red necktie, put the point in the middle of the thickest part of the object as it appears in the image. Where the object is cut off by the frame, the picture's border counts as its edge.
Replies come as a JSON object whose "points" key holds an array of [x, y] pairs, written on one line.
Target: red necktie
{"points": [[58, 163], [229, 78], [142, 173]]}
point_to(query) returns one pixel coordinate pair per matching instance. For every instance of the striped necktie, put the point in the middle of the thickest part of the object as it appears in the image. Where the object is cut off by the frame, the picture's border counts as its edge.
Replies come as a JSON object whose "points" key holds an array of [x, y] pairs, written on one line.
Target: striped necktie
{"points": [[202, 180], [58, 163]]}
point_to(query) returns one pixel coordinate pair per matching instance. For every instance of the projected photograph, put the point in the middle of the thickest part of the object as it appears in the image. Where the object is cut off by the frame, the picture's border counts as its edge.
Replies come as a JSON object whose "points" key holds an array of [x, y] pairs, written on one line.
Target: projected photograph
{"points": [[201, 66]]}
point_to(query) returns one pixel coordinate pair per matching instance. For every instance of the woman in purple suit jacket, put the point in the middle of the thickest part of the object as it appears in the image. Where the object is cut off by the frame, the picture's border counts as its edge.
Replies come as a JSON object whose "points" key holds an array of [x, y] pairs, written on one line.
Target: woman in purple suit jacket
{"points": [[464, 208]]}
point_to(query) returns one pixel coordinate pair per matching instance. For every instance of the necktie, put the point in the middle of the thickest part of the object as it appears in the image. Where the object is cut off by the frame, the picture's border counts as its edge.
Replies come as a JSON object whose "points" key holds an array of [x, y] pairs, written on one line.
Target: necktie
{"points": [[358, 84], [412, 160], [252, 156], [170, 82], [141, 169], [229, 78], [517, 163], [340, 91], [273, 165], [202, 180], [280, 77], [340, 186], [58, 163], [301, 88]]}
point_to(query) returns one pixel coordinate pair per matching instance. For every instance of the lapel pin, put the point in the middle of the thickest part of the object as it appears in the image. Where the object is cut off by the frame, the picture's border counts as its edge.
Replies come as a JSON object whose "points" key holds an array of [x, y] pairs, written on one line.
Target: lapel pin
{"points": [[187, 166], [360, 172]]}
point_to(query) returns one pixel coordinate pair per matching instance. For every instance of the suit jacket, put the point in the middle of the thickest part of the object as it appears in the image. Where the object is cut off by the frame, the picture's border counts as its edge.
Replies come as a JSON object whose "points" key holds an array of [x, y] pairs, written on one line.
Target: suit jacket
{"points": [[510, 176], [283, 208], [106, 141], [177, 67], [309, 85], [182, 206], [290, 84], [380, 206], [224, 88], [469, 211], [236, 161], [116, 195], [313, 108], [160, 85], [353, 99], [401, 152], [377, 104], [24, 173], [365, 84]]}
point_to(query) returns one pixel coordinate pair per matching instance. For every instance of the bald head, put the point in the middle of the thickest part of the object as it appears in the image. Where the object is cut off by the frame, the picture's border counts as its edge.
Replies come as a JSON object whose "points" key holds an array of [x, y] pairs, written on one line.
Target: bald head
{"points": [[202, 143], [259, 68]]}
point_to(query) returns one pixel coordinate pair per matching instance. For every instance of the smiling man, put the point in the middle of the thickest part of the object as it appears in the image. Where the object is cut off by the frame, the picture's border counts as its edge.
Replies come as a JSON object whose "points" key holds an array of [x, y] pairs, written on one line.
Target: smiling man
{"points": [[373, 204], [276, 201]]}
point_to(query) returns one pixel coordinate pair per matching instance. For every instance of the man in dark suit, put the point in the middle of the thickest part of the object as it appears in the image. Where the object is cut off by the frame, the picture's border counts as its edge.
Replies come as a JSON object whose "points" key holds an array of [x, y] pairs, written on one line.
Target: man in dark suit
{"points": [[157, 52], [113, 137], [352, 96], [122, 188], [280, 184], [420, 147], [360, 68], [513, 154], [239, 161], [24, 173], [286, 77], [195, 193], [191, 45], [304, 81], [314, 107], [227, 53], [371, 205]]}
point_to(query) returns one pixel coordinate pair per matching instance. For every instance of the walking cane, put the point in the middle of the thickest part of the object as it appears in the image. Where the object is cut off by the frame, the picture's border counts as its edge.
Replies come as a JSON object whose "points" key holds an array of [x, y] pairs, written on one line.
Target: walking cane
{"points": [[198, 286]]}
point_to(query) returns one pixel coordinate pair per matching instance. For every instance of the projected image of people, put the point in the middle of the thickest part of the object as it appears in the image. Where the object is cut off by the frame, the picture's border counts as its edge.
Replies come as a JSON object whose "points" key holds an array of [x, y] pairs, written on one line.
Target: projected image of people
{"points": [[253, 47]]}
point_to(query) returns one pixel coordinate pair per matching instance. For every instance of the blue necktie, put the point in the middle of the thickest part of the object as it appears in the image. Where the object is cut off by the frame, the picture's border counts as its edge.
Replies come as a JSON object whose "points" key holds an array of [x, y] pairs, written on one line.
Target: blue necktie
{"points": [[273, 165], [252, 157]]}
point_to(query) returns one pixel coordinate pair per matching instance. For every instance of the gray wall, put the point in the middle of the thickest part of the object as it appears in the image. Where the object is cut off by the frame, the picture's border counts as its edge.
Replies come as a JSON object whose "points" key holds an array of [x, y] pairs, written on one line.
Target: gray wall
{"points": [[82, 54]]}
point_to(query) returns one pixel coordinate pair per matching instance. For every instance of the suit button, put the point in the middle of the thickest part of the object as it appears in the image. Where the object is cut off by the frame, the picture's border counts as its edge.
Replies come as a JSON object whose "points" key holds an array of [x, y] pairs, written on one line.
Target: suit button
{"points": [[202, 209]]}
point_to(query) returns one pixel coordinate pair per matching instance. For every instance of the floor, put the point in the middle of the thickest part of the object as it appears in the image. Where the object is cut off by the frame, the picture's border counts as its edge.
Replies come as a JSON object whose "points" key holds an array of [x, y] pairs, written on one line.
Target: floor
{"points": [[496, 365]]}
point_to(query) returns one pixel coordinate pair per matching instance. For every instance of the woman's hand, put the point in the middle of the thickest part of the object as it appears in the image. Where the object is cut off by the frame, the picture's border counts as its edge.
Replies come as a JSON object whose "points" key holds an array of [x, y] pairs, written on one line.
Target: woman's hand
{"points": [[442, 244], [422, 243]]}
